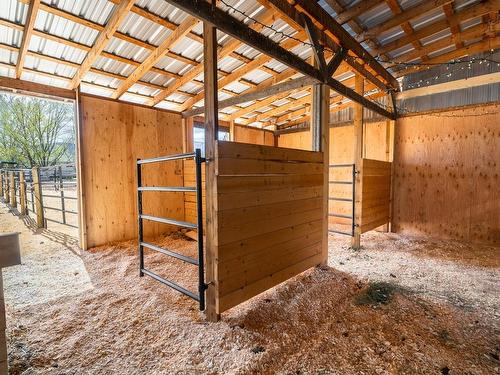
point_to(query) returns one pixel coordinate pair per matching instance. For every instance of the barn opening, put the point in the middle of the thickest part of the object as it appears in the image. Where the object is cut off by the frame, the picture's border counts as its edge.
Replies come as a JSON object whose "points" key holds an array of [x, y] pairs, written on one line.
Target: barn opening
{"points": [[321, 177]]}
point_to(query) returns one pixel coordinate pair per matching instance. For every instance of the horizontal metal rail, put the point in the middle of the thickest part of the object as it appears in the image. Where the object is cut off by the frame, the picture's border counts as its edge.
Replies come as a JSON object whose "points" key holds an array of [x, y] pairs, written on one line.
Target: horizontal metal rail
{"points": [[198, 226], [173, 254], [172, 189], [352, 217], [340, 165], [340, 199], [340, 232], [170, 284], [164, 220], [60, 222], [341, 182], [167, 158], [341, 216], [60, 210], [58, 196]]}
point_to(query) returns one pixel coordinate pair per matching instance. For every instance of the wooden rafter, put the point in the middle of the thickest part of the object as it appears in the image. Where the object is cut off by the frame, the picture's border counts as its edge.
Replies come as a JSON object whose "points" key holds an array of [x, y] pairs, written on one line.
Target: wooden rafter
{"points": [[487, 8], [156, 55], [197, 70], [273, 80], [333, 34], [355, 25], [401, 18], [119, 14], [454, 25], [356, 10], [471, 49], [406, 26], [278, 110], [27, 32], [257, 63], [301, 116], [471, 33], [33, 87], [332, 29], [257, 94], [137, 42], [242, 71], [470, 12]]}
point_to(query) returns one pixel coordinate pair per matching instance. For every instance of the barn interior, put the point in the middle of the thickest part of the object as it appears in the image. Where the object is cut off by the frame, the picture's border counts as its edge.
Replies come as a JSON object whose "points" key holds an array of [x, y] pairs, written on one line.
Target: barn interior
{"points": [[263, 186]]}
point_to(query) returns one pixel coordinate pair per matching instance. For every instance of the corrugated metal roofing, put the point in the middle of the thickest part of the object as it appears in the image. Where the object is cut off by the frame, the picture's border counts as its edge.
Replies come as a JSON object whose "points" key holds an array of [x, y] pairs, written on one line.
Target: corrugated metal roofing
{"points": [[149, 34]]}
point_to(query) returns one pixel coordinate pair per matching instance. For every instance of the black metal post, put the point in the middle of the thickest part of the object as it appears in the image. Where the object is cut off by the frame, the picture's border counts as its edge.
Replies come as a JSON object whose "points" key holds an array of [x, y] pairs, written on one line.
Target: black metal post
{"points": [[353, 199], [63, 209], [139, 218], [199, 207]]}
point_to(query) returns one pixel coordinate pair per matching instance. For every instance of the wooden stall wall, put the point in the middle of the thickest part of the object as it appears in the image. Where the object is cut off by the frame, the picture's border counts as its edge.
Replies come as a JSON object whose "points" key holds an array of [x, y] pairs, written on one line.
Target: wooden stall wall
{"points": [[112, 136], [242, 134], [447, 174], [375, 187], [342, 152], [269, 218], [254, 136], [301, 140]]}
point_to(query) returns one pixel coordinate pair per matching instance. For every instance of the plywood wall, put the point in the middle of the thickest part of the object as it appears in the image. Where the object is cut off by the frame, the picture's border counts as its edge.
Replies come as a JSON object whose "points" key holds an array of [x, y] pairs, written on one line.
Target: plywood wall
{"points": [[254, 136], [113, 135], [447, 174], [243, 134], [342, 152], [269, 215], [342, 142], [375, 194]]}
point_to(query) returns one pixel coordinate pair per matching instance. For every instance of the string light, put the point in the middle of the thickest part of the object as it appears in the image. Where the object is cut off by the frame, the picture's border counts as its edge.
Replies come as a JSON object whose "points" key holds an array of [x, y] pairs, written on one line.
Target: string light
{"points": [[394, 63]]}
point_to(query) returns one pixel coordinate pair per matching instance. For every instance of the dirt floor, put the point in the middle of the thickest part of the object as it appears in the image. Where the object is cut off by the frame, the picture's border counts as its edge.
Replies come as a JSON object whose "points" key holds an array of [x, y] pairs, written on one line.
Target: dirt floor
{"points": [[400, 305]]}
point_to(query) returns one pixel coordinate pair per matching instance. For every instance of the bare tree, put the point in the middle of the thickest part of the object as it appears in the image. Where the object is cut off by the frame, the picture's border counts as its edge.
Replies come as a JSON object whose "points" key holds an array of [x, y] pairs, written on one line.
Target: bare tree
{"points": [[34, 132]]}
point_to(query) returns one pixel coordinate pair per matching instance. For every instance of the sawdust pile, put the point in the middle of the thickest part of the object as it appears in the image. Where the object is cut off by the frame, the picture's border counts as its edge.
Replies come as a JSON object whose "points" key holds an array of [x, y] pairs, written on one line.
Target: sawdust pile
{"points": [[323, 321]]}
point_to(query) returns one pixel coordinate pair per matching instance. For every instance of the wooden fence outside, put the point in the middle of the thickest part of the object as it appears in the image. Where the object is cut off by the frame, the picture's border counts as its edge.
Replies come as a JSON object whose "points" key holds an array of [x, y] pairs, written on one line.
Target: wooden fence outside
{"points": [[47, 193]]}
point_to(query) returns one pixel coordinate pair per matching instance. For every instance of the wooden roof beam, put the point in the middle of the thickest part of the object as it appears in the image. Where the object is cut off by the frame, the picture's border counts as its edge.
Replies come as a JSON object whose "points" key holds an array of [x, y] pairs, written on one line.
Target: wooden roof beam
{"points": [[185, 27], [28, 31], [405, 16], [336, 31], [335, 106], [332, 34], [287, 86], [454, 25], [471, 33], [472, 49], [118, 15], [354, 11], [406, 26], [470, 12], [197, 70], [18, 85], [242, 71]]}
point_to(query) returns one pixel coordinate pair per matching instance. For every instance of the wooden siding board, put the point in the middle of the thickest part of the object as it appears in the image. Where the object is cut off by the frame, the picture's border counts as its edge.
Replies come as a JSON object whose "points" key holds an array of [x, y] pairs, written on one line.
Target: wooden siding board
{"points": [[269, 217]]}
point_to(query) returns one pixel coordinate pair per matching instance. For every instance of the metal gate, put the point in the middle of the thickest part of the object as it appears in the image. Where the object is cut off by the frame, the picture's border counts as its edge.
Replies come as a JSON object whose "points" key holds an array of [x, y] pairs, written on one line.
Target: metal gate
{"points": [[343, 199], [200, 297]]}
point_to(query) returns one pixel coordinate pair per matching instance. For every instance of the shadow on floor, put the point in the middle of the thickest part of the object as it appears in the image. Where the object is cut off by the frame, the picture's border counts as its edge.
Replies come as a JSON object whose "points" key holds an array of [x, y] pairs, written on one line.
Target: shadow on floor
{"points": [[66, 240]]}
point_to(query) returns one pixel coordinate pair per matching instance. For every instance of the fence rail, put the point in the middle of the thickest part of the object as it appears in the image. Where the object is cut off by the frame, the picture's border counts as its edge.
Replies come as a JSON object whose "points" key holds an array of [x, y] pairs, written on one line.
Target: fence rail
{"points": [[48, 193]]}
